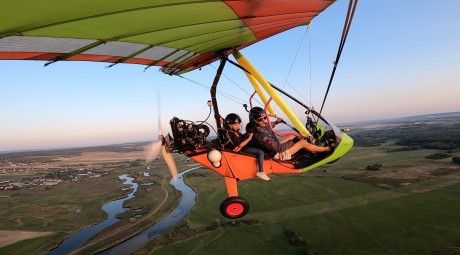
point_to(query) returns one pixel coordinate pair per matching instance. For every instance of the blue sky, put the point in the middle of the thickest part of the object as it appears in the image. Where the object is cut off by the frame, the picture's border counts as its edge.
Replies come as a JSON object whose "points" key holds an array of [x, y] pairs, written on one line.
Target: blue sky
{"points": [[401, 59]]}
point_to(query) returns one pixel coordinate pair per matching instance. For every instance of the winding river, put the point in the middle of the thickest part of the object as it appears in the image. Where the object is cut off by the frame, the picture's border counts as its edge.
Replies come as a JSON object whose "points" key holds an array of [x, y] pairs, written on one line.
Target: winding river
{"points": [[169, 221], [112, 209], [115, 207]]}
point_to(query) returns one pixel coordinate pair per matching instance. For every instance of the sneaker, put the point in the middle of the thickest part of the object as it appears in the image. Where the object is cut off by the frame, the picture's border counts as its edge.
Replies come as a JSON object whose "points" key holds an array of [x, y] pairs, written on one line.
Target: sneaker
{"points": [[263, 176]]}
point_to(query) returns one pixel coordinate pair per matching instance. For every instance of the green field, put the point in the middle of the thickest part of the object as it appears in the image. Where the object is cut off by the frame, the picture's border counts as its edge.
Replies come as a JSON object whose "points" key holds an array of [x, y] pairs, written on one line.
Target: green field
{"points": [[410, 206], [54, 208]]}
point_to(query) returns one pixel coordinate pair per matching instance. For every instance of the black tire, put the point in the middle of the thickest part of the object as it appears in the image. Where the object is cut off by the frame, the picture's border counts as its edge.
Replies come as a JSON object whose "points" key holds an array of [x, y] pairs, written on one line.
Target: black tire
{"points": [[234, 207]]}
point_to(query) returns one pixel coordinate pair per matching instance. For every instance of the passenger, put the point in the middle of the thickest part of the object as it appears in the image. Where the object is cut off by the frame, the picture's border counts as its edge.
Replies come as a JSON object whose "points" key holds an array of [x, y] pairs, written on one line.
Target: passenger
{"points": [[266, 139], [239, 142]]}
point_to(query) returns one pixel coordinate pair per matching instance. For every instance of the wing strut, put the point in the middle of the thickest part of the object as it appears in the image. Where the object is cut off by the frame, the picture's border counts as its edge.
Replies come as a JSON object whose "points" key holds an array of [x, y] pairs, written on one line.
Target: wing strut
{"points": [[220, 131], [346, 28]]}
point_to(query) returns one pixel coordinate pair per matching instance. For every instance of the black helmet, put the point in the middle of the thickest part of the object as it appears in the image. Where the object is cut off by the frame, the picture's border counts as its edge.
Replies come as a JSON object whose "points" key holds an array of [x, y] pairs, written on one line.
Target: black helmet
{"points": [[255, 113], [232, 118]]}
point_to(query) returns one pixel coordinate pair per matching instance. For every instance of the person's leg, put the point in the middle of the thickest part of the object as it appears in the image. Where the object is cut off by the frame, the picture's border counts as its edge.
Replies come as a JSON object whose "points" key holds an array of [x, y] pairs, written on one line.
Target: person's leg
{"points": [[259, 156], [302, 144], [260, 161]]}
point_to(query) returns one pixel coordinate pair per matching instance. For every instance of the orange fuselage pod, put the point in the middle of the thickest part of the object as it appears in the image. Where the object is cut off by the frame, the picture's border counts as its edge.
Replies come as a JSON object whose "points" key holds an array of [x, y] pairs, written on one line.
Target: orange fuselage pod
{"points": [[240, 166], [243, 166]]}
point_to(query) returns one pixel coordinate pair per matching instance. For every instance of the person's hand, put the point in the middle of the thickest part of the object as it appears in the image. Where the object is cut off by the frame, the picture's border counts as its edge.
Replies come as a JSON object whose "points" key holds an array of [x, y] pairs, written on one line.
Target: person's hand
{"points": [[250, 135], [278, 120]]}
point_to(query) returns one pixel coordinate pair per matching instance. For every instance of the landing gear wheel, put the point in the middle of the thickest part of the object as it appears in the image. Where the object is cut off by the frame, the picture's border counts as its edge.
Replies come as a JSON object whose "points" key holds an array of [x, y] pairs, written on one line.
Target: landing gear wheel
{"points": [[234, 207]]}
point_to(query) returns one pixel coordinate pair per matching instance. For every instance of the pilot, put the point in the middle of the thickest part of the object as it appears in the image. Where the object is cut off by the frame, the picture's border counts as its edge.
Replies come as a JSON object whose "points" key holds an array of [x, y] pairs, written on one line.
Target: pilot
{"points": [[279, 149]]}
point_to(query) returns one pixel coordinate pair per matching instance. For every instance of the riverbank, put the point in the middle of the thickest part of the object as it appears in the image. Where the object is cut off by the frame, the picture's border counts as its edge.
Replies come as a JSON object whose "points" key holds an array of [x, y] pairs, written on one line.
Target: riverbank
{"points": [[170, 221], [62, 209], [131, 226], [153, 199]]}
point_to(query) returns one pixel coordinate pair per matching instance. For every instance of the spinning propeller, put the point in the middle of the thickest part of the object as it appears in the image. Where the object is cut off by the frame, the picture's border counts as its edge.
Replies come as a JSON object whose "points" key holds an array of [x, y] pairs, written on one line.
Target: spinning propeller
{"points": [[152, 151]]}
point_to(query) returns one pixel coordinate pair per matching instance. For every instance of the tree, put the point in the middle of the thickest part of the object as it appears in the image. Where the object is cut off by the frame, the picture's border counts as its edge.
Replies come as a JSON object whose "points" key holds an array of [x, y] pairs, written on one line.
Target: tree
{"points": [[437, 156], [456, 160], [374, 167]]}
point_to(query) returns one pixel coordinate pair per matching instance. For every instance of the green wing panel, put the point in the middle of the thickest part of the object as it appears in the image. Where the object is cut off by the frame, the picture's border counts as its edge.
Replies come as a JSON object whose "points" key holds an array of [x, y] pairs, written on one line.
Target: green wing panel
{"points": [[180, 35]]}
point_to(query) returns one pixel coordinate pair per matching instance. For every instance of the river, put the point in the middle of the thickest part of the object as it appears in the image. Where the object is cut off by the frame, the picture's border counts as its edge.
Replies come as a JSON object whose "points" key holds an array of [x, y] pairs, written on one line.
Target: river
{"points": [[169, 221], [115, 207], [112, 209]]}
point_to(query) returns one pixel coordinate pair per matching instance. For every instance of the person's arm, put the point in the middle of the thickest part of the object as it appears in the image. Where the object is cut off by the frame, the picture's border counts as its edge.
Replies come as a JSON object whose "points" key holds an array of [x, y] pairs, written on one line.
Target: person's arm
{"points": [[277, 121], [243, 143]]}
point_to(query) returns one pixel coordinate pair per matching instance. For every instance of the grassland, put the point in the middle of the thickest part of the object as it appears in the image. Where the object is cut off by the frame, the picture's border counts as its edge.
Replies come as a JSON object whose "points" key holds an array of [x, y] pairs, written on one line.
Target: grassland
{"points": [[70, 206], [410, 206]]}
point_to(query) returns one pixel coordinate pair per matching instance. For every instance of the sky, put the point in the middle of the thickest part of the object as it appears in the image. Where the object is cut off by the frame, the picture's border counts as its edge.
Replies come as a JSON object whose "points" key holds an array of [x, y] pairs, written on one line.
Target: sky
{"points": [[401, 58]]}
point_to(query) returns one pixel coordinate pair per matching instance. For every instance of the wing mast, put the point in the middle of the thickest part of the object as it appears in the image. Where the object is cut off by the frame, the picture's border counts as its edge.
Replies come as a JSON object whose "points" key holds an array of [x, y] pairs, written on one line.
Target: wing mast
{"points": [[273, 94]]}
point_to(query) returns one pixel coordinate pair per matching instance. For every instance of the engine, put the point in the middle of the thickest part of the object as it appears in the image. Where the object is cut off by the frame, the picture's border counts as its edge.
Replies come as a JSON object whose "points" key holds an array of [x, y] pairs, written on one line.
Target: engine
{"points": [[187, 135]]}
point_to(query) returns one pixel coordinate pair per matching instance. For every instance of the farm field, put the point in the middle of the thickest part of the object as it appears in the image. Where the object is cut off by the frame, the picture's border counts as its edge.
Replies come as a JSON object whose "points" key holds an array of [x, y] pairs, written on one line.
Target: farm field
{"points": [[396, 192], [36, 218], [410, 206]]}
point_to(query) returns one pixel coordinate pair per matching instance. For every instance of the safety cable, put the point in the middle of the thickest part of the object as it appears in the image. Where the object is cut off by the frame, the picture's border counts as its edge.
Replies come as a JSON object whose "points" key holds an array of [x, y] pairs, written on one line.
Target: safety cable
{"points": [[346, 28]]}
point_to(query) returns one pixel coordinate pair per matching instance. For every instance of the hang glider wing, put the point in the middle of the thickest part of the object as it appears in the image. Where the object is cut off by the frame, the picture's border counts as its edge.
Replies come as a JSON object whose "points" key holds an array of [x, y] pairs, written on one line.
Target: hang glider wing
{"points": [[178, 35]]}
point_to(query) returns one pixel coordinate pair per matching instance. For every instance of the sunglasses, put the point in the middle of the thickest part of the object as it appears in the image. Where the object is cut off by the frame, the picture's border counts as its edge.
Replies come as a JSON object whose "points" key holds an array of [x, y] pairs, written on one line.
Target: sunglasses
{"points": [[261, 119]]}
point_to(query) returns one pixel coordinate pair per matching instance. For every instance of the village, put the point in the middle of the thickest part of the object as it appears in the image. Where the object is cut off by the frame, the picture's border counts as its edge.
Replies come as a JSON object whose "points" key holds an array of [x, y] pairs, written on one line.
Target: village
{"points": [[15, 175]]}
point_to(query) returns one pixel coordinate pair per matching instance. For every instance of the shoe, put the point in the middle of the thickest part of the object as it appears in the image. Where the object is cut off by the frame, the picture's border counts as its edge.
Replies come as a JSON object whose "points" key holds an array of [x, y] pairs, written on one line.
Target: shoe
{"points": [[263, 176]]}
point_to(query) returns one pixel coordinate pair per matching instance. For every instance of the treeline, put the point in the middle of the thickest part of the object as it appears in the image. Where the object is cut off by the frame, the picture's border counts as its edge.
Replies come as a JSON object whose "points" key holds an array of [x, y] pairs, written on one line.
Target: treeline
{"points": [[405, 148], [128, 147], [438, 135], [438, 156], [437, 138]]}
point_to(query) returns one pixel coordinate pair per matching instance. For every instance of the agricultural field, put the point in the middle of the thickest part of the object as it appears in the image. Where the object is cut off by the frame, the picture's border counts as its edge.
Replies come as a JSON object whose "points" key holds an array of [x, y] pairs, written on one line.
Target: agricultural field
{"points": [[396, 192], [323, 213], [35, 218], [409, 205]]}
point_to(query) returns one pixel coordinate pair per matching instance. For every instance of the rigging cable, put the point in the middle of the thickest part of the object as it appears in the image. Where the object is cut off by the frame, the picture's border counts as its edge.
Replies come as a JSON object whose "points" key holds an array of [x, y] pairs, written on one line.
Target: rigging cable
{"points": [[236, 84], [295, 57], [307, 32], [292, 64], [346, 28], [309, 62], [228, 96], [244, 69]]}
